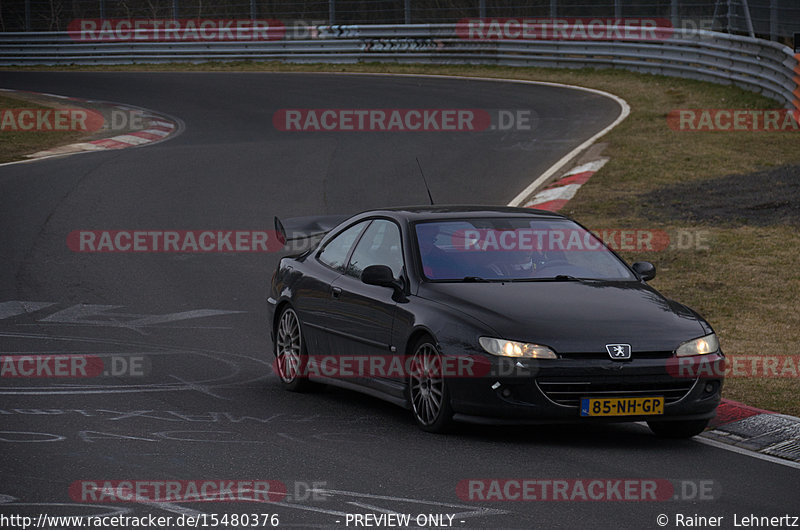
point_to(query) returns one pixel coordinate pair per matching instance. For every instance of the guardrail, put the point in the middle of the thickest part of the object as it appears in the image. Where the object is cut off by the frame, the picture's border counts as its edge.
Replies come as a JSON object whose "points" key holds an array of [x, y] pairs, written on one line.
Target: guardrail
{"points": [[753, 64]]}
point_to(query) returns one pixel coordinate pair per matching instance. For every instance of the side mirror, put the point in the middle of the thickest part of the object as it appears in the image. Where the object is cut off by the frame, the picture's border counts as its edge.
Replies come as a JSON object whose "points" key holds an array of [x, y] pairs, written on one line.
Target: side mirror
{"points": [[378, 275], [645, 270], [383, 276]]}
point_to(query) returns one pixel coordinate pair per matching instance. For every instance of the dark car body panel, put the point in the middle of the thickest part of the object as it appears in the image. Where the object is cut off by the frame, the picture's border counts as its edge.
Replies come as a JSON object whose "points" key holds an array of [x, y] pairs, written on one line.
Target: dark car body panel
{"points": [[572, 316], [341, 315]]}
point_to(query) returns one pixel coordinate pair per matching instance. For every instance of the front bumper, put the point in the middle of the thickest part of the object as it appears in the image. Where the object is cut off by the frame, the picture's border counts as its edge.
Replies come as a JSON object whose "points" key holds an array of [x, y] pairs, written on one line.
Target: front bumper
{"points": [[550, 391]]}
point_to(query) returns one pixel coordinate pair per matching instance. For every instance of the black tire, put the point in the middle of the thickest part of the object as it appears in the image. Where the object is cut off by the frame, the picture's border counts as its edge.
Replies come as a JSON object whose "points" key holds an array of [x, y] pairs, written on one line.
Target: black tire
{"points": [[677, 429], [427, 388], [290, 353]]}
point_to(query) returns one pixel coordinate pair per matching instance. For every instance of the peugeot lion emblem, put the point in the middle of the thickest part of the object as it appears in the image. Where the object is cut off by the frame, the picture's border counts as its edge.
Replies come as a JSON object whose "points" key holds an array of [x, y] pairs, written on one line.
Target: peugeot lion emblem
{"points": [[619, 352]]}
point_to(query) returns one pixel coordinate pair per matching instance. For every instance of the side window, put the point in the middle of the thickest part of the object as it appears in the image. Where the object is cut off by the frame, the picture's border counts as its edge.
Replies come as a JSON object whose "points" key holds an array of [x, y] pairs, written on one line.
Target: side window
{"points": [[380, 245], [335, 252]]}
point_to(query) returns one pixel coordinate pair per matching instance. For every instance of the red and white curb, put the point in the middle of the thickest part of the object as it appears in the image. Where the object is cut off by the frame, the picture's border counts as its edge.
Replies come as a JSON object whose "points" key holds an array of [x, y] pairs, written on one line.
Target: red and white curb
{"points": [[158, 130], [159, 127], [557, 195], [738, 427], [771, 436]]}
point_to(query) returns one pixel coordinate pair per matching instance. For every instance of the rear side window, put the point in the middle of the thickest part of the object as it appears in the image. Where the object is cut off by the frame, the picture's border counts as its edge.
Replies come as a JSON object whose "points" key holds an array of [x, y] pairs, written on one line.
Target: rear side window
{"points": [[334, 255]]}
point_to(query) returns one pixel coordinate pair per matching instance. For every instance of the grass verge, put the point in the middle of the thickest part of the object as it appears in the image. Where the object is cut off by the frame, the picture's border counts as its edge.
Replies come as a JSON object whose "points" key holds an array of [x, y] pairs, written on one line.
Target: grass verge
{"points": [[15, 144], [744, 278]]}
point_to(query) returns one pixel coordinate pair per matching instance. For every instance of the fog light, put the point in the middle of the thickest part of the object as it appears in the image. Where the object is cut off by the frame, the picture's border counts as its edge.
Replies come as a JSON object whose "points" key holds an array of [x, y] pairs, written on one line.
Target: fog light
{"points": [[506, 392]]}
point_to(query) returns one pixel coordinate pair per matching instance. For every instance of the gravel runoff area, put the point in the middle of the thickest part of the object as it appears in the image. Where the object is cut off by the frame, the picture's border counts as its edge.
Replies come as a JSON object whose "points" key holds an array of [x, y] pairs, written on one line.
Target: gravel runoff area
{"points": [[763, 198]]}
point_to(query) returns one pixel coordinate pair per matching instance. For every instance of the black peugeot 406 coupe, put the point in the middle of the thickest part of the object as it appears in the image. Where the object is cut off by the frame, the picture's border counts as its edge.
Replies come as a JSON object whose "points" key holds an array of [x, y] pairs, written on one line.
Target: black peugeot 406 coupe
{"points": [[489, 315]]}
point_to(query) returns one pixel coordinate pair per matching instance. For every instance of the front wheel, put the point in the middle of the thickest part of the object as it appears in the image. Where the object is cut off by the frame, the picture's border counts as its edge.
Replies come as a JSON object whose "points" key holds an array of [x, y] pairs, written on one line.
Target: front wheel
{"points": [[677, 429], [427, 388], [290, 352]]}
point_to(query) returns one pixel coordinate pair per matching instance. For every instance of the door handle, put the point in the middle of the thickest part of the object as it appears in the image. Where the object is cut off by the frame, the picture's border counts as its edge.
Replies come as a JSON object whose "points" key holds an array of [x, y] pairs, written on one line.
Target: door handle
{"points": [[336, 291]]}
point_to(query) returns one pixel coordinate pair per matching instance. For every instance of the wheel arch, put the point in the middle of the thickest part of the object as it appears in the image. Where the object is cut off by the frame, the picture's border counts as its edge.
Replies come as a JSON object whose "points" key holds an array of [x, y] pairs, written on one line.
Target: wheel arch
{"points": [[416, 334], [279, 308]]}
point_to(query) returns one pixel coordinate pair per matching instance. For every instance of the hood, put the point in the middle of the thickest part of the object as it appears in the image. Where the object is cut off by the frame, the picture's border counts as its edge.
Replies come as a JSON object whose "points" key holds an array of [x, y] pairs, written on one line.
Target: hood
{"points": [[573, 316]]}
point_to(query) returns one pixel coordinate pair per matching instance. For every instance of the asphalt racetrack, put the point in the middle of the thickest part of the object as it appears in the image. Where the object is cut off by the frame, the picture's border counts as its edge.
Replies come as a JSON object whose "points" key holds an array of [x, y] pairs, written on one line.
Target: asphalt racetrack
{"points": [[207, 406]]}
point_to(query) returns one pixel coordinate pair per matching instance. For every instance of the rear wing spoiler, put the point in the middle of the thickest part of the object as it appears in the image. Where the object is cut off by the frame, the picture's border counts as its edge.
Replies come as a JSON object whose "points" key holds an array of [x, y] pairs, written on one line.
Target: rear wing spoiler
{"points": [[301, 228]]}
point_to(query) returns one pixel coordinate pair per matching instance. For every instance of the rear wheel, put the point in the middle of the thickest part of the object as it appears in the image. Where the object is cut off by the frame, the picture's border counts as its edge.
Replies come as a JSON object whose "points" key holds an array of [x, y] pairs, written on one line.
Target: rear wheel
{"points": [[427, 388], [290, 352], [677, 429]]}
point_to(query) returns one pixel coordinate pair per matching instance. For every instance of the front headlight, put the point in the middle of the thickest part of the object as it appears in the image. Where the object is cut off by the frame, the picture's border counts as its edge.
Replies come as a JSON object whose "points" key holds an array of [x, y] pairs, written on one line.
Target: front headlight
{"points": [[701, 346], [510, 348]]}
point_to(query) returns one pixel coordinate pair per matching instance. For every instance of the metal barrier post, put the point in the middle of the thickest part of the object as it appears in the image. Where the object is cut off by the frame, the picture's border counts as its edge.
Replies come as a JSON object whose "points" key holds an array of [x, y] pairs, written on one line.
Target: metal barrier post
{"points": [[773, 19], [673, 8]]}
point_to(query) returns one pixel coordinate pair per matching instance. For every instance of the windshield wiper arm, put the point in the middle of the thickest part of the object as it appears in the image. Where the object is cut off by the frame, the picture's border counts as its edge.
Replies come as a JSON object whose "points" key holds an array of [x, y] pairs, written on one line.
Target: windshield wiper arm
{"points": [[557, 278], [471, 279]]}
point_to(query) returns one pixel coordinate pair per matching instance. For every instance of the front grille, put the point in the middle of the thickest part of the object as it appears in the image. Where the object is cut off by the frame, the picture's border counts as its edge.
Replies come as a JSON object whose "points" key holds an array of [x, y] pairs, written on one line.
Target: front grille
{"points": [[569, 393], [604, 355]]}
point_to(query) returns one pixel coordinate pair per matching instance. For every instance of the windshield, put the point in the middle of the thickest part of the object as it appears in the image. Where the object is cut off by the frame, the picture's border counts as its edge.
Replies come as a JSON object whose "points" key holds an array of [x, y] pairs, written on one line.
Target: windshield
{"points": [[518, 249]]}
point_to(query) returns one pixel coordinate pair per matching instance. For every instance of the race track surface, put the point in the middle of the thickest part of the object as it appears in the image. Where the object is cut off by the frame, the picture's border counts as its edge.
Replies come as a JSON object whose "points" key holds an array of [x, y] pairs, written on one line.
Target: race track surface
{"points": [[209, 406]]}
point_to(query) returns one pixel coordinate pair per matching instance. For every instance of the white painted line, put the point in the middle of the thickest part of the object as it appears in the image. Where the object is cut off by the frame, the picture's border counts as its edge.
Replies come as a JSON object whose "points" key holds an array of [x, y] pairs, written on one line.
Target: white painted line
{"points": [[372, 507], [747, 452], [129, 139], [593, 166], [536, 184], [308, 508], [29, 160], [473, 509], [203, 389], [563, 193], [14, 308], [155, 132], [174, 508]]}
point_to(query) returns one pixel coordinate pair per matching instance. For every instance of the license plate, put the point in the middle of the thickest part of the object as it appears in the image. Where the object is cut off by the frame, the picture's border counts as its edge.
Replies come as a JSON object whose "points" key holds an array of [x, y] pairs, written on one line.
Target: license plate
{"points": [[639, 406]]}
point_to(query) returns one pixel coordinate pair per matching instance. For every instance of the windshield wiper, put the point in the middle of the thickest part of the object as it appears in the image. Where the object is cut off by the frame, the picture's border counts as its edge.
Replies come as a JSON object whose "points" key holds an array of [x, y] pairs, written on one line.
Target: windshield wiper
{"points": [[557, 278], [473, 279]]}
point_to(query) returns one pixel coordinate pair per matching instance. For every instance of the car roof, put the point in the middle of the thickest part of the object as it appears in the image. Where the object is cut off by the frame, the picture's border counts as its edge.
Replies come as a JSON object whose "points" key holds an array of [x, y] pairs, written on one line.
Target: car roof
{"points": [[451, 211]]}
